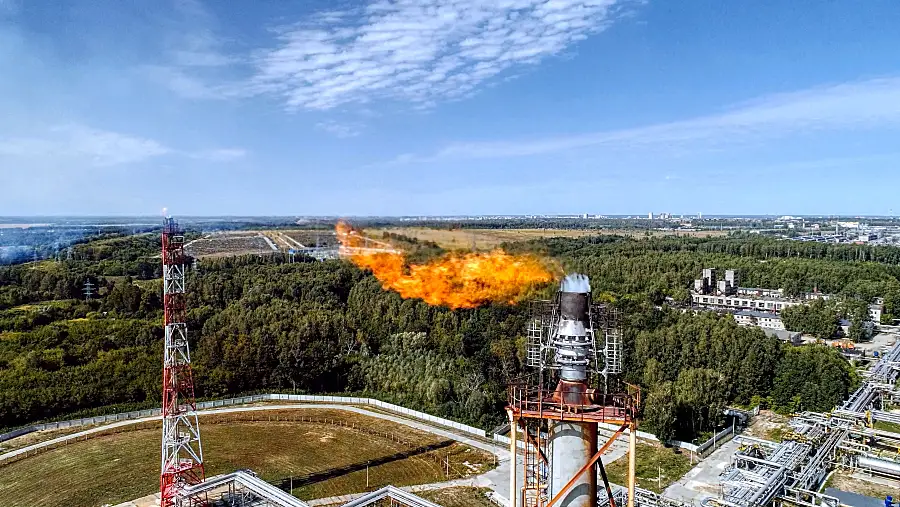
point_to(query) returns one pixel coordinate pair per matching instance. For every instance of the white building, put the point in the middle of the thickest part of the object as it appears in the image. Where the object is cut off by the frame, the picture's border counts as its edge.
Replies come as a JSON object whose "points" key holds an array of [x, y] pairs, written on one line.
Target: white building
{"points": [[759, 319], [774, 305], [875, 312], [757, 292]]}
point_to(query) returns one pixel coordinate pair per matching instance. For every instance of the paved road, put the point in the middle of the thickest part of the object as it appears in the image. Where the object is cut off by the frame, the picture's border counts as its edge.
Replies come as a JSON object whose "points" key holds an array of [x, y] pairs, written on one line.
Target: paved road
{"points": [[702, 481], [500, 451]]}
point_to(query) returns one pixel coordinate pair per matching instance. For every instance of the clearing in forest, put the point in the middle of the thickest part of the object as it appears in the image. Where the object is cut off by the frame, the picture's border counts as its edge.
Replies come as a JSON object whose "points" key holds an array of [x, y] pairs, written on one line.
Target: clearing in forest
{"points": [[657, 467], [323, 458], [486, 239]]}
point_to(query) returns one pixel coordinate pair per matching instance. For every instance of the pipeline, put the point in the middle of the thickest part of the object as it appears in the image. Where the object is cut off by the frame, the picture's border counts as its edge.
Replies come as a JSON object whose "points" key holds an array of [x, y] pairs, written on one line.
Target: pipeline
{"points": [[882, 466]]}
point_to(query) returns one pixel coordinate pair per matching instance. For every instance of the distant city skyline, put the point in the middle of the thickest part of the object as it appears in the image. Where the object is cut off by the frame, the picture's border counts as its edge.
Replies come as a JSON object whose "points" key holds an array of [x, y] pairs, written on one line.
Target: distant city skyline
{"points": [[433, 108]]}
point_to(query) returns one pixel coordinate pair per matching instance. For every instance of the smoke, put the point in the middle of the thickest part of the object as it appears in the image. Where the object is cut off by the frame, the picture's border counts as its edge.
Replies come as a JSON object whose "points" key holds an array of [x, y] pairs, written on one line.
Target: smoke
{"points": [[456, 280], [576, 282]]}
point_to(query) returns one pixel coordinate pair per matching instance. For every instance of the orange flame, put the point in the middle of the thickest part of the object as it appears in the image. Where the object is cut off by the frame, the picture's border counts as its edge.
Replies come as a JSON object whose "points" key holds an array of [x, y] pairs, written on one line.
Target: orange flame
{"points": [[454, 280]]}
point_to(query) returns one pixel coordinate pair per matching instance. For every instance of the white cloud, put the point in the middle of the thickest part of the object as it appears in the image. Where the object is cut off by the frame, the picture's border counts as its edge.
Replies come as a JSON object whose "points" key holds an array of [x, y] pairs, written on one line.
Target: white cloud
{"points": [[100, 148], [342, 130], [420, 51], [220, 155], [855, 105], [180, 81], [193, 55], [76, 142]]}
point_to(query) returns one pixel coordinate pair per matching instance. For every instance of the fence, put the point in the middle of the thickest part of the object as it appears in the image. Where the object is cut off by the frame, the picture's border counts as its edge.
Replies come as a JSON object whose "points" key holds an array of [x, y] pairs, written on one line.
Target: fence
{"points": [[244, 400], [715, 440]]}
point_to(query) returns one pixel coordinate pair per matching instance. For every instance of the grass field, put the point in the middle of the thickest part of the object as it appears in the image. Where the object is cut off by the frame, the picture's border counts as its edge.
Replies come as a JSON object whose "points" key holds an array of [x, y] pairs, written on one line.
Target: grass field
{"points": [[854, 484], [120, 467], [458, 497], [887, 426], [486, 239], [653, 462]]}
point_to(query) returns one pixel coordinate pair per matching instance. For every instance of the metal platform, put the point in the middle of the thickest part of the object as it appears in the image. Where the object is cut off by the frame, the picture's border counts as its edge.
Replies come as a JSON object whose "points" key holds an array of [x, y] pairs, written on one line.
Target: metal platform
{"points": [[535, 402]]}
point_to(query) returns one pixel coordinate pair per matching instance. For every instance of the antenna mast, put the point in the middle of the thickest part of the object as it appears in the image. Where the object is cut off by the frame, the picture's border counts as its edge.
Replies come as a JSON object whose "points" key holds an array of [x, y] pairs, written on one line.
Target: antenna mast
{"points": [[182, 454]]}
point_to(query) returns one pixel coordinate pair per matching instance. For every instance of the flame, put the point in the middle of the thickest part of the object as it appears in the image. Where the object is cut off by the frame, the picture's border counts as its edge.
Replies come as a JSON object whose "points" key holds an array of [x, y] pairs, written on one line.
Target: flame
{"points": [[454, 280]]}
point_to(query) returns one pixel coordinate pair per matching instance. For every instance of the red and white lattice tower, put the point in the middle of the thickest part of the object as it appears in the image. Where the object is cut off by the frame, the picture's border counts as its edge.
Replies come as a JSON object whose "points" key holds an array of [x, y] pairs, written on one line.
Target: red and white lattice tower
{"points": [[182, 454]]}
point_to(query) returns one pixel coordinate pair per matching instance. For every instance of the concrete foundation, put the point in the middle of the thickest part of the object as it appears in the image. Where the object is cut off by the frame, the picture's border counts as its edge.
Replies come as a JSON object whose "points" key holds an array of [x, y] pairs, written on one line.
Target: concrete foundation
{"points": [[572, 445]]}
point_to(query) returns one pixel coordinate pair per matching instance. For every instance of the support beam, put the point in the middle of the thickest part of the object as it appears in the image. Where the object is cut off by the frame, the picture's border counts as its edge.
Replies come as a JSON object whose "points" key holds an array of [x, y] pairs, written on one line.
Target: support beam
{"points": [[632, 463], [513, 466], [531, 440], [609, 493]]}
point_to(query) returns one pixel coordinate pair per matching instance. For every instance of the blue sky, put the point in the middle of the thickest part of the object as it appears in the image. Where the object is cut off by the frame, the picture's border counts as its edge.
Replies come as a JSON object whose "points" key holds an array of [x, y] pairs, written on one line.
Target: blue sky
{"points": [[442, 107]]}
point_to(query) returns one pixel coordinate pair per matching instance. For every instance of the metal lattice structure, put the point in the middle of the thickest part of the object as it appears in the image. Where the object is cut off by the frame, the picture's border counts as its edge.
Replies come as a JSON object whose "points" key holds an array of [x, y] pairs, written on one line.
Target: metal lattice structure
{"points": [[182, 455], [603, 333]]}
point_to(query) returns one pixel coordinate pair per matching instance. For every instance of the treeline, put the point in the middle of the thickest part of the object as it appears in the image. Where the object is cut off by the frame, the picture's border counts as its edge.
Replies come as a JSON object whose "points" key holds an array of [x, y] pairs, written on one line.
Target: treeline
{"points": [[266, 324], [667, 267], [692, 366]]}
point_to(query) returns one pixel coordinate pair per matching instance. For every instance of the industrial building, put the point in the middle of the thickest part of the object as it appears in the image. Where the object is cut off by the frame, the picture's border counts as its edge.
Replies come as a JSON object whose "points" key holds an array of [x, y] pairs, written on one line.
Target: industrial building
{"points": [[727, 294]]}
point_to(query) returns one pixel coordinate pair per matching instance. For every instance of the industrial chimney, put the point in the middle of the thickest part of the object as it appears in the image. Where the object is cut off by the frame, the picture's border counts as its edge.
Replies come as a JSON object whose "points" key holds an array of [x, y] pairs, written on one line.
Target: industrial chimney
{"points": [[574, 346], [572, 444]]}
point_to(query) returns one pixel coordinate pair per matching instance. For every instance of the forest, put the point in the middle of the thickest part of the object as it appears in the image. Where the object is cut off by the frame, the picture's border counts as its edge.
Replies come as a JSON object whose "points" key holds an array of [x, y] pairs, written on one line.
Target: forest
{"points": [[264, 324]]}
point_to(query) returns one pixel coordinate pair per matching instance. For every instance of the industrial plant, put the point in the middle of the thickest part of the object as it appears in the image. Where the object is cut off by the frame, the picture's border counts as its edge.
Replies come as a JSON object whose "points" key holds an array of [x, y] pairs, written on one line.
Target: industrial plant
{"points": [[571, 409], [571, 396], [575, 349]]}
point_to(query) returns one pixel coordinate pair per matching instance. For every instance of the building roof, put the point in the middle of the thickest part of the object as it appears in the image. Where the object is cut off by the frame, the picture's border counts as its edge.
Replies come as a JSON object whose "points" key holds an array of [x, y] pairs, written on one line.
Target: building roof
{"points": [[788, 336]]}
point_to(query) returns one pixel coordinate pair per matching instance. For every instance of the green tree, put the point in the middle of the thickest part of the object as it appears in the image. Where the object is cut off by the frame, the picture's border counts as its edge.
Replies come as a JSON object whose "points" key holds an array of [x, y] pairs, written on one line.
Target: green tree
{"points": [[661, 411]]}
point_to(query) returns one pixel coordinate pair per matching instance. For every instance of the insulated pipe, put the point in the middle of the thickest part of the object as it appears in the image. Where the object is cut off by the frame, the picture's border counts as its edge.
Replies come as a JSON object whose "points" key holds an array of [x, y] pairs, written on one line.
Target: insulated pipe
{"points": [[879, 465]]}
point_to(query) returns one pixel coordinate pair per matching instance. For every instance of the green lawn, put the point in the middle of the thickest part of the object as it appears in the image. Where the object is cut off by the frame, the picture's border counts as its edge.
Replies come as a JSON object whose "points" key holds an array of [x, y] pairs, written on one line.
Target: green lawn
{"points": [[458, 497], [652, 462], [125, 466], [887, 426]]}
